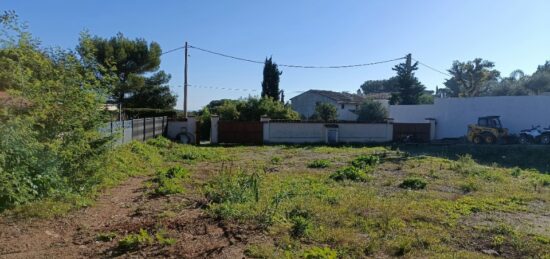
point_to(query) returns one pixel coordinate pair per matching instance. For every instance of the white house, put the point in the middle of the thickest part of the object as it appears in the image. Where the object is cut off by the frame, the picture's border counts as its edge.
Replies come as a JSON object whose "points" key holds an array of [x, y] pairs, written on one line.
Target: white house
{"points": [[346, 104]]}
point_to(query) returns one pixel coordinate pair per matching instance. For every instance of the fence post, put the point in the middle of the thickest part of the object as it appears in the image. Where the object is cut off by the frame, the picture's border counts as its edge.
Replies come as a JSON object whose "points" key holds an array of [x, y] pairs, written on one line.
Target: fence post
{"points": [[214, 119], [144, 129]]}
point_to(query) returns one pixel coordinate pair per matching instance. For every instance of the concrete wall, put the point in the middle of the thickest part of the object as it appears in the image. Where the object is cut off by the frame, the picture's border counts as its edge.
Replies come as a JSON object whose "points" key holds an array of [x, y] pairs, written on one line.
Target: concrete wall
{"points": [[176, 127], [453, 115], [304, 132], [305, 104]]}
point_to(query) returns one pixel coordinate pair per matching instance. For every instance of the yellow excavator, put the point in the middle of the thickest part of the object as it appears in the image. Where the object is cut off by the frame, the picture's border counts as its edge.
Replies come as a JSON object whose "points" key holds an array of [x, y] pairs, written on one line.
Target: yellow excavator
{"points": [[488, 130]]}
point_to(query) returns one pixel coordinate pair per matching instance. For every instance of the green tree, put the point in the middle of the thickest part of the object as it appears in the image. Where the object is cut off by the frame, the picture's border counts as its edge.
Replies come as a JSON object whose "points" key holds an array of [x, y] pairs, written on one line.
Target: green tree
{"points": [[380, 86], [126, 62], [252, 109], [472, 77], [325, 112], [372, 111], [270, 83], [409, 88], [155, 93], [54, 146]]}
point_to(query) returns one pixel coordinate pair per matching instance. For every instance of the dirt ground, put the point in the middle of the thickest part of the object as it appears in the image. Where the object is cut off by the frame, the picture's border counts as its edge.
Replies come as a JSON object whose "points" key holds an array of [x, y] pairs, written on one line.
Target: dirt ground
{"points": [[124, 209]]}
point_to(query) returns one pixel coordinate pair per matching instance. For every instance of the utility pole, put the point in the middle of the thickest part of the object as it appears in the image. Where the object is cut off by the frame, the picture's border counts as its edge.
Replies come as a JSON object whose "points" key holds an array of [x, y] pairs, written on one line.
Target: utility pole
{"points": [[409, 61], [185, 85]]}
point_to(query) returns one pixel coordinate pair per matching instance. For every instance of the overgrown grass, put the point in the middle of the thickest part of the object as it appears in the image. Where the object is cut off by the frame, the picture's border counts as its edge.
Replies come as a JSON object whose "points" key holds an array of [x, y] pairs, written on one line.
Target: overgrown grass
{"points": [[170, 181], [304, 211]]}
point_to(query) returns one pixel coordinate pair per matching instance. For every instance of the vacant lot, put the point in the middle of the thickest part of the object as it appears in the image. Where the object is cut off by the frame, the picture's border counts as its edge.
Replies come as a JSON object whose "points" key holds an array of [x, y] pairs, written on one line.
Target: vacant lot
{"points": [[284, 201]]}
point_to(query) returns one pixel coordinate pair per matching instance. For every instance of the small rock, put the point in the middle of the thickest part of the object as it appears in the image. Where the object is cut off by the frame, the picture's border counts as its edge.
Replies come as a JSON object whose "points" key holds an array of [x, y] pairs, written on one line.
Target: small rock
{"points": [[490, 252]]}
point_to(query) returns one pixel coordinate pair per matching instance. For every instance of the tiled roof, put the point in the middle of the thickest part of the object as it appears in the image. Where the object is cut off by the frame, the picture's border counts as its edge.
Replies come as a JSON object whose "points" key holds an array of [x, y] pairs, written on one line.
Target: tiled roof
{"points": [[7, 100], [339, 96]]}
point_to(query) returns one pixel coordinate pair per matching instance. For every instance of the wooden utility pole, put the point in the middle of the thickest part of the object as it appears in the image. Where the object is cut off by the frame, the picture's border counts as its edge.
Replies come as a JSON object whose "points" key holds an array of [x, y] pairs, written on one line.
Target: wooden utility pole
{"points": [[185, 85]]}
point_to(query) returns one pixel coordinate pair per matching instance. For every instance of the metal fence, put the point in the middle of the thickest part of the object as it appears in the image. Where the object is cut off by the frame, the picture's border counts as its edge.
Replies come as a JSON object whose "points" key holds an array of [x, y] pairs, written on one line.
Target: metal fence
{"points": [[137, 129]]}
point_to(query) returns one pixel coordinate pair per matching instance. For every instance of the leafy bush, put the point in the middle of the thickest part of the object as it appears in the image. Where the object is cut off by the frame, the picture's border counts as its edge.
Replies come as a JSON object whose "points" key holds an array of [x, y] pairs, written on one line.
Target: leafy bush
{"points": [[413, 184], [325, 112], [320, 253], [301, 223], [350, 173], [372, 111], [365, 161], [134, 241], [319, 163], [469, 186], [170, 181]]}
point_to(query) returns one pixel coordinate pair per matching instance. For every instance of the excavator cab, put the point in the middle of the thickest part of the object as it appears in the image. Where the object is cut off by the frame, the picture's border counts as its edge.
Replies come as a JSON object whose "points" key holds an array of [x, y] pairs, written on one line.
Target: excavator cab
{"points": [[488, 130]]}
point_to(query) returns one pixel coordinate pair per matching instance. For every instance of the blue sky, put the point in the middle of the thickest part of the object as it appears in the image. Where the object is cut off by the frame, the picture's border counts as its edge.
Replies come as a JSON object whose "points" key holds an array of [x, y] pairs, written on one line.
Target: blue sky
{"points": [[513, 34]]}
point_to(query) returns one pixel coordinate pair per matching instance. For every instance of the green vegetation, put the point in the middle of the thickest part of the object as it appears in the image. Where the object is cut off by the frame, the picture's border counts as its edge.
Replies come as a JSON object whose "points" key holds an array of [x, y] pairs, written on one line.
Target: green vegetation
{"points": [[413, 184], [319, 163], [170, 181], [350, 173], [372, 111], [106, 237], [134, 241], [365, 161], [307, 213], [324, 112]]}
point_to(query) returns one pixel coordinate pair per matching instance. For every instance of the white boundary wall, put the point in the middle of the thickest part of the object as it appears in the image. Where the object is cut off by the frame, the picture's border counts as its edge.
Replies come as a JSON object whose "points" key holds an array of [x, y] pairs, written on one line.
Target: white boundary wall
{"points": [[453, 115], [307, 132], [176, 127]]}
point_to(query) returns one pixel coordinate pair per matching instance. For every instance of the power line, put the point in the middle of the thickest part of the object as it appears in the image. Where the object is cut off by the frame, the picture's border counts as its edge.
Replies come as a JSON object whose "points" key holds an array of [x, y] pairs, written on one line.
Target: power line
{"points": [[432, 68], [296, 66], [172, 50], [222, 88]]}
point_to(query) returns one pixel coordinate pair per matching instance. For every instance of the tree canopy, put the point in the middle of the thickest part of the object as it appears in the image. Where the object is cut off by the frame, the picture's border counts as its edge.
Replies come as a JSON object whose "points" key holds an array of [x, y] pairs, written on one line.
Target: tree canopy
{"points": [[325, 112], [372, 111], [470, 78], [380, 86], [125, 63], [51, 147], [270, 83], [409, 87]]}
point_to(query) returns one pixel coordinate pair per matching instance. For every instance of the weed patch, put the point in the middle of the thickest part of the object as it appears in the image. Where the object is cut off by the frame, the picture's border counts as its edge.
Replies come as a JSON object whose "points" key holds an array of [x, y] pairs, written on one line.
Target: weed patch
{"points": [[319, 163], [350, 173], [170, 181], [413, 184]]}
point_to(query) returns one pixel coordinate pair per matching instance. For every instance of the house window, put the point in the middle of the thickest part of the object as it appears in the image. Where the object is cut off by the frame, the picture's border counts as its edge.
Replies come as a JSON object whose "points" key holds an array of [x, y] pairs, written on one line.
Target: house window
{"points": [[343, 106]]}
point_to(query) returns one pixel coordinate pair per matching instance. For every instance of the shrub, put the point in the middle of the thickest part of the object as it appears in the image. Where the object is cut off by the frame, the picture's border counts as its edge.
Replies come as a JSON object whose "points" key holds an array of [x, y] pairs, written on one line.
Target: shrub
{"points": [[365, 161], [320, 253], [134, 241], [276, 160], [469, 186], [325, 112], [350, 173], [372, 111], [301, 223], [170, 181], [413, 184], [319, 163]]}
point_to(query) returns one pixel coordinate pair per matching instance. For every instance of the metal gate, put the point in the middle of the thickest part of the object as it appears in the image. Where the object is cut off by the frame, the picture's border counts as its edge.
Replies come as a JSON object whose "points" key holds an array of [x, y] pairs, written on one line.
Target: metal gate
{"points": [[240, 132], [411, 132]]}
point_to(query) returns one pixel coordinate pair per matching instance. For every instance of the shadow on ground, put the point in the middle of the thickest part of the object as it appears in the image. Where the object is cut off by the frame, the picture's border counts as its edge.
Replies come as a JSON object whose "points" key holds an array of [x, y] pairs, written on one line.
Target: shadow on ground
{"points": [[522, 156]]}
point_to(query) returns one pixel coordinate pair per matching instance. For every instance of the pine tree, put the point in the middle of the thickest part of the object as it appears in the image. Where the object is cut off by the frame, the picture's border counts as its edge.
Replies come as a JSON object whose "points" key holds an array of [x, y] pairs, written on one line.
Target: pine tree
{"points": [[410, 89], [270, 84]]}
